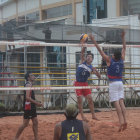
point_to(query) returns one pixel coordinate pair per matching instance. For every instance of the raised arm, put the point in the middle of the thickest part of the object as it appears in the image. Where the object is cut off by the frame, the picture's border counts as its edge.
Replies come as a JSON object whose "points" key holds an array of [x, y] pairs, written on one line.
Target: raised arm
{"points": [[124, 45], [96, 73], [83, 48], [105, 57]]}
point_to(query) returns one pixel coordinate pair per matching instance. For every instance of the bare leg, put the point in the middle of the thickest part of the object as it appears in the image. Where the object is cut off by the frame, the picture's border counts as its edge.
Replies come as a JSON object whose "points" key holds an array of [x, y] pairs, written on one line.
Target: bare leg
{"points": [[35, 127], [124, 113], [21, 128], [120, 114], [91, 106], [80, 106]]}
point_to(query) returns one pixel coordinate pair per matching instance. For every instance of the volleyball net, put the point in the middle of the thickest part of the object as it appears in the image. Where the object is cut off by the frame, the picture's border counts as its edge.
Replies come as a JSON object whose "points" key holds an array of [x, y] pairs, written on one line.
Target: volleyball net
{"points": [[54, 65]]}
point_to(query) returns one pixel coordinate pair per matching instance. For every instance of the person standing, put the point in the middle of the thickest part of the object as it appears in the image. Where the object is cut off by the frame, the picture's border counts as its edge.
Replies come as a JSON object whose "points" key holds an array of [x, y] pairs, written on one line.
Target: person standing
{"points": [[82, 74], [115, 66], [29, 105]]}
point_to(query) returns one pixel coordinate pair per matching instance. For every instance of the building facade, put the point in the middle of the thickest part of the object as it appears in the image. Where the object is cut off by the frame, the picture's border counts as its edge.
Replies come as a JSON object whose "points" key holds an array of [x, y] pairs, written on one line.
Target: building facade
{"points": [[62, 20], [81, 11]]}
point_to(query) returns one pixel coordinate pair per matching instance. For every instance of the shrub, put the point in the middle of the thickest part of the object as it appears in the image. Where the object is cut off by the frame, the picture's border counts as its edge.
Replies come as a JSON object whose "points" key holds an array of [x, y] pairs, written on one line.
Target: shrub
{"points": [[2, 107]]}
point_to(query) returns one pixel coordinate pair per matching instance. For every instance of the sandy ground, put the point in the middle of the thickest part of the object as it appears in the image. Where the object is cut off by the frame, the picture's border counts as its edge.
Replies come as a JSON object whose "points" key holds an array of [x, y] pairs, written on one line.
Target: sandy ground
{"points": [[105, 129]]}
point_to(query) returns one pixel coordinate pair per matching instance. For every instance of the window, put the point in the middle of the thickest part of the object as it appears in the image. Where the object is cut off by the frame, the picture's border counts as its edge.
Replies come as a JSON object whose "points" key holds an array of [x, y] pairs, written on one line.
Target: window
{"points": [[28, 18], [3, 1], [130, 7], [33, 16], [57, 11], [96, 9], [33, 59], [56, 56], [9, 28], [56, 61]]}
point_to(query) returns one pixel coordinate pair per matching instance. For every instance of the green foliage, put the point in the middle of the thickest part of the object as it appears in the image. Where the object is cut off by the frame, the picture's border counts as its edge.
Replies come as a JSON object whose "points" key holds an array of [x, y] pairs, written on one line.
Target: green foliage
{"points": [[2, 108]]}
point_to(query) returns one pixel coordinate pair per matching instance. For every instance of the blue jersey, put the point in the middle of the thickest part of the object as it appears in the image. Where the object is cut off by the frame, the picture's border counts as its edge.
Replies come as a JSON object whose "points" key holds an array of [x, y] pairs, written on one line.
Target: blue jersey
{"points": [[83, 72], [115, 70]]}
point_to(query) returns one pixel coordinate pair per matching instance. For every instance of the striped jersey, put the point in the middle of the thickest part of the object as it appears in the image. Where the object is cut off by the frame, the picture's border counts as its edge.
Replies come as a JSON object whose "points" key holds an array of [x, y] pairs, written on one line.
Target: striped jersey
{"points": [[115, 70], [83, 72]]}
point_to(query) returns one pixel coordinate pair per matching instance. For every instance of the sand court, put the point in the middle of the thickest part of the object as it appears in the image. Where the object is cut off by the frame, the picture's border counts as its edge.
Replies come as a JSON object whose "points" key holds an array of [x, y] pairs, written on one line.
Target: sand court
{"points": [[105, 129]]}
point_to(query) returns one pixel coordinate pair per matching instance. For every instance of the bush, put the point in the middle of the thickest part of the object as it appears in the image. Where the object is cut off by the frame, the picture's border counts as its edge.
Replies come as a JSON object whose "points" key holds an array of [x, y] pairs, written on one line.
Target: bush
{"points": [[2, 108]]}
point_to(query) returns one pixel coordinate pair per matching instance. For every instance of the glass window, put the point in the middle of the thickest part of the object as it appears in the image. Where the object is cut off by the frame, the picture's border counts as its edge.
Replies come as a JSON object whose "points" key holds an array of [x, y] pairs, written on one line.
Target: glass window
{"points": [[56, 61], [130, 7], [9, 26], [33, 16], [58, 11], [28, 18], [3, 1], [56, 56], [96, 9], [21, 20], [33, 59]]}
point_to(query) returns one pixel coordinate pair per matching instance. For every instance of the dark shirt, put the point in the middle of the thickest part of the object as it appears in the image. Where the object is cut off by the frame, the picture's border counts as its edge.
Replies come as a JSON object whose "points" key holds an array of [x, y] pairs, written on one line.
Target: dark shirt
{"points": [[72, 130], [33, 106]]}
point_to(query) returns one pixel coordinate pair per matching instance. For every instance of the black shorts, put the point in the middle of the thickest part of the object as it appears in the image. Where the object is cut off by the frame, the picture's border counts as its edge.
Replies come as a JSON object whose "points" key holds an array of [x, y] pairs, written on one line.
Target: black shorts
{"points": [[29, 114]]}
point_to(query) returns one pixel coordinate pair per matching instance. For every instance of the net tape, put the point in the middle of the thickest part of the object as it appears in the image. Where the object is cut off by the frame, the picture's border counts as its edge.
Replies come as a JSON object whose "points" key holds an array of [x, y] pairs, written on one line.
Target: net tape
{"points": [[62, 88], [61, 44]]}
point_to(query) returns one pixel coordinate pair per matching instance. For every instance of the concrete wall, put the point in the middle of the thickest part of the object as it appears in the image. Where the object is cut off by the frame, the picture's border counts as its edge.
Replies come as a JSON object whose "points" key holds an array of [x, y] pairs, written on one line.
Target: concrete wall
{"points": [[9, 10], [47, 2], [79, 13], [24, 5], [111, 8]]}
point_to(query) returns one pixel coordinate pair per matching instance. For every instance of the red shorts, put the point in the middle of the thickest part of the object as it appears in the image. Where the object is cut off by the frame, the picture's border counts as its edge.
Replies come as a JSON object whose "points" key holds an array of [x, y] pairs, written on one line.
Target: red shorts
{"points": [[81, 92]]}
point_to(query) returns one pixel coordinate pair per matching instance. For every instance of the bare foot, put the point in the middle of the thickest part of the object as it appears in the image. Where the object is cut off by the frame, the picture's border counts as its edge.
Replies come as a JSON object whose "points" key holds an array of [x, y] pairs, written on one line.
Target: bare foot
{"points": [[120, 128], [124, 126], [95, 118]]}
